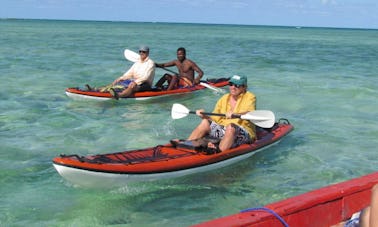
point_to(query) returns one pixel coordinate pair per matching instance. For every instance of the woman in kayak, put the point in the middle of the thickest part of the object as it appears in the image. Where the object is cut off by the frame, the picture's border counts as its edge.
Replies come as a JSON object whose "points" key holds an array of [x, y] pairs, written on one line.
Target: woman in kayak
{"points": [[232, 132], [186, 68]]}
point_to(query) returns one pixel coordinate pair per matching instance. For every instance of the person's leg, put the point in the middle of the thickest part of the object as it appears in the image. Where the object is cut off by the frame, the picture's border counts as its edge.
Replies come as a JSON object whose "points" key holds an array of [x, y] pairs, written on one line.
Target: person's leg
{"points": [[374, 207], [128, 91], [201, 130], [125, 93], [144, 87], [173, 83], [234, 136], [162, 80], [365, 217], [228, 138], [184, 82], [89, 88]]}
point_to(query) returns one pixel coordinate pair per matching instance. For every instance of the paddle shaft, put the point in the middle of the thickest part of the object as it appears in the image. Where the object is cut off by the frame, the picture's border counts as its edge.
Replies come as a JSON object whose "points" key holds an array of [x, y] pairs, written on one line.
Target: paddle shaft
{"points": [[216, 114], [261, 118], [170, 71]]}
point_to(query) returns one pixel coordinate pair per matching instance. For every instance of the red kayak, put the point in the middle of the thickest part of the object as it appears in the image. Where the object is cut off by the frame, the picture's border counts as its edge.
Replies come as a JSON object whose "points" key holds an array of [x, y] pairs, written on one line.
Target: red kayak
{"points": [[162, 161], [323, 207], [214, 84]]}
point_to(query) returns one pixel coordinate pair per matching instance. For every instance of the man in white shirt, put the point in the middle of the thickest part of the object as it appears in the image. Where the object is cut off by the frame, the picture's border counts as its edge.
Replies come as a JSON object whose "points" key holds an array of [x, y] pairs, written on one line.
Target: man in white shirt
{"points": [[138, 78]]}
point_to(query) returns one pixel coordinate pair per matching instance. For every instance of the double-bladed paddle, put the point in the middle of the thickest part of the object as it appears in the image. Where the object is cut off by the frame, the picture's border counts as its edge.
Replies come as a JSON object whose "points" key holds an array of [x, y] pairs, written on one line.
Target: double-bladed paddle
{"points": [[261, 118], [134, 57]]}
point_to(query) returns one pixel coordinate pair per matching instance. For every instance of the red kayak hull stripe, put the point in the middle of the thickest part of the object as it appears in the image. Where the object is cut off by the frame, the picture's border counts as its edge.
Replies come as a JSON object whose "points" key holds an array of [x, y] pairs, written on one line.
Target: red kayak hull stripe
{"points": [[145, 94]]}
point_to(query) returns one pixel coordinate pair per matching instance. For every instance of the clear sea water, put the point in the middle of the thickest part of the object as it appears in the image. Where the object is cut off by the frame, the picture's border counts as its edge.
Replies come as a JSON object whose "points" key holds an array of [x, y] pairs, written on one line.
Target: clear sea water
{"points": [[325, 81]]}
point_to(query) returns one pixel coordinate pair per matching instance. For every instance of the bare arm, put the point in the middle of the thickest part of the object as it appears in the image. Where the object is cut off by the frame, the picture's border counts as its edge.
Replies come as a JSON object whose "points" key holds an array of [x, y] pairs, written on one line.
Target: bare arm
{"points": [[126, 75], [374, 207], [167, 64], [199, 113], [199, 71]]}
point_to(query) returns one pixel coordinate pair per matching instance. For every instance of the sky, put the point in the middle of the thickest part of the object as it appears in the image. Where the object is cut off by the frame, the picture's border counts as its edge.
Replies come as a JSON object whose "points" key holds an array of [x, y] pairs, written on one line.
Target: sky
{"points": [[304, 13]]}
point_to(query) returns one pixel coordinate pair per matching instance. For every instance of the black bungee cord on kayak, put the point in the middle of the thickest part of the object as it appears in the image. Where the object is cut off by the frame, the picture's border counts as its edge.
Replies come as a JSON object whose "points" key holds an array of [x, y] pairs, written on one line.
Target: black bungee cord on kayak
{"points": [[269, 211]]}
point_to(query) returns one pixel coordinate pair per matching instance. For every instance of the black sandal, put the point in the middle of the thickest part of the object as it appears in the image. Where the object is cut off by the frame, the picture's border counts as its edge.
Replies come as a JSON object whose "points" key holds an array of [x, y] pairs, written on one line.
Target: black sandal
{"points": [[89, 88]]}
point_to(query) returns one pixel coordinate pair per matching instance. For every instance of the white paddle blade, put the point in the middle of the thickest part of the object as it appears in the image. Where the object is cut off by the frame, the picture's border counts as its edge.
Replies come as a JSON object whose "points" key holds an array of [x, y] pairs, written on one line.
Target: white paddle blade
{"points": [[261, 118], [179, 111], [131, 55]]}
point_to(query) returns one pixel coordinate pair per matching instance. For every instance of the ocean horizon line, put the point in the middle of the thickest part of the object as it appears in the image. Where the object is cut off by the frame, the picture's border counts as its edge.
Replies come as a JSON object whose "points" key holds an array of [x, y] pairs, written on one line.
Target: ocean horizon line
{"points": [[186, 23]]}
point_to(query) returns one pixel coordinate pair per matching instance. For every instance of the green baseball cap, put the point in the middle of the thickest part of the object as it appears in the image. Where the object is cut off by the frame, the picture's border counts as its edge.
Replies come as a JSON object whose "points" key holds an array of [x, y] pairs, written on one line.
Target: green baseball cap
{"points": [[238, 80]]}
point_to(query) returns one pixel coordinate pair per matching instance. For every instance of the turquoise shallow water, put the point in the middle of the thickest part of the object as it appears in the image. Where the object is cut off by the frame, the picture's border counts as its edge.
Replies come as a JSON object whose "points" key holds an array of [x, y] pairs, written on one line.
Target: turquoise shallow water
{"points": [[323, 80]]}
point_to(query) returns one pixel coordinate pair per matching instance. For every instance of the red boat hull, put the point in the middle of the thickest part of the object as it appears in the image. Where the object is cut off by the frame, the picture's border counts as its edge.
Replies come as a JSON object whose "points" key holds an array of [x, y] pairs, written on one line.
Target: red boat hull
{"points": [[79, 93], [326, 206]]}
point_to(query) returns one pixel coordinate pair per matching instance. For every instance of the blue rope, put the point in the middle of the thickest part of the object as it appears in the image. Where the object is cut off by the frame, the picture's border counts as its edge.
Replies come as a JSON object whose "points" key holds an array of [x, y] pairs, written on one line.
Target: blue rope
{"points": [[269, 211]]}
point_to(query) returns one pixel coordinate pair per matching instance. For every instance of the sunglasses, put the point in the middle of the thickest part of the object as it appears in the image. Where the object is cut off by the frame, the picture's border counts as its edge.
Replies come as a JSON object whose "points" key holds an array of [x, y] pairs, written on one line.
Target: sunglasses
{"points": [[142, 51], [235, 85]]}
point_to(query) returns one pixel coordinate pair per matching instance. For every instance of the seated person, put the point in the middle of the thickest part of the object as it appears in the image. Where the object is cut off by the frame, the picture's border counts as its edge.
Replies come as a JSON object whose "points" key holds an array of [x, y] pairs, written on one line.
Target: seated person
{"points": [[185, 77], [232, 132], [138, 78]]}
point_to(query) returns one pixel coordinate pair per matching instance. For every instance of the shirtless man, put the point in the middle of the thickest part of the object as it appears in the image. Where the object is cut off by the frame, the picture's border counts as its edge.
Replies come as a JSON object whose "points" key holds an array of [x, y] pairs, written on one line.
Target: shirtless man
{"points": [[186, 68]]}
